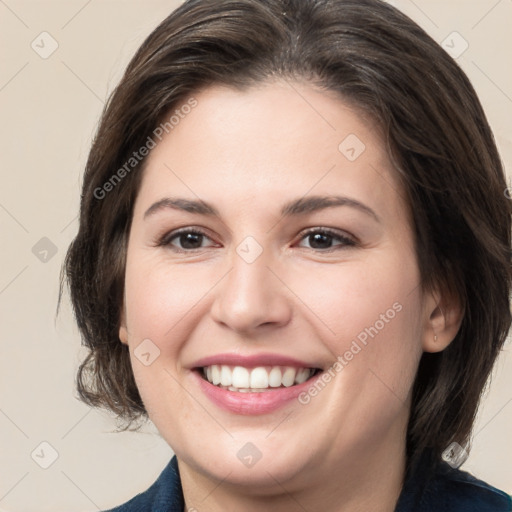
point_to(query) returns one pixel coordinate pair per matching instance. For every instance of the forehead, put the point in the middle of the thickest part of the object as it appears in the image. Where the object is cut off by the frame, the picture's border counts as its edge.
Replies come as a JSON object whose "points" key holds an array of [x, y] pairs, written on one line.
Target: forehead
{"points": [[257, 145]]}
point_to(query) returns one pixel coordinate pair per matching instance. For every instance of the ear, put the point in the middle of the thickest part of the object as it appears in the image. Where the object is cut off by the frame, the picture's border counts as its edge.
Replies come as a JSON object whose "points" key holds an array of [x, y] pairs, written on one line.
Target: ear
{"points": [[442, 320], [123, 331]]}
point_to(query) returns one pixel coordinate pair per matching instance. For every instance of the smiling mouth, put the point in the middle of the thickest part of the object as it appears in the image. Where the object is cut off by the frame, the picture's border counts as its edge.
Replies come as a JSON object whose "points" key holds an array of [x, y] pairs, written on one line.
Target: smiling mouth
{"points": [[255, 380]]}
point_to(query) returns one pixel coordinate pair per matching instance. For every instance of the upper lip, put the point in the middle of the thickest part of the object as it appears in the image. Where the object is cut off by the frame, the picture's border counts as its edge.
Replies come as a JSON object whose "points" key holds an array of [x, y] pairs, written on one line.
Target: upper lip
{"points": [[252, 361]]}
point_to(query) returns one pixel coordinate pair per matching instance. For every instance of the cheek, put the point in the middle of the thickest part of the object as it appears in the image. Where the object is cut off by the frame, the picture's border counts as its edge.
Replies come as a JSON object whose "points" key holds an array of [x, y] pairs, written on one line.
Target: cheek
{"points": [[349, 296], [368, 312], [159, 299], [369, 318], [159, 295]]}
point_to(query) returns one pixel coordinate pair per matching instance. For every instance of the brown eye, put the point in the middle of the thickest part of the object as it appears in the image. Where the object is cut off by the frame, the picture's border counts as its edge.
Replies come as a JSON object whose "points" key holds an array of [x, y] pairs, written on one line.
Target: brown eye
{"points": [[184, 240], [323, 239], [190, 240]]}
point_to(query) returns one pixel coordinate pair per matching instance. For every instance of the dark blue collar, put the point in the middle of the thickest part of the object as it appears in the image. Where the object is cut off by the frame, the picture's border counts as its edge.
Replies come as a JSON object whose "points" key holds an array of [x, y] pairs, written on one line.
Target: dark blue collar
{"points": [[445, 490]]}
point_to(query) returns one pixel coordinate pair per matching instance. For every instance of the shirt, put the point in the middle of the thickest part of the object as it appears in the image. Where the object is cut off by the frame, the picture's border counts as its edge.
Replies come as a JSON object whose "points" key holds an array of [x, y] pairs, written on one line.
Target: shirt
{"points": [[450, 490]]}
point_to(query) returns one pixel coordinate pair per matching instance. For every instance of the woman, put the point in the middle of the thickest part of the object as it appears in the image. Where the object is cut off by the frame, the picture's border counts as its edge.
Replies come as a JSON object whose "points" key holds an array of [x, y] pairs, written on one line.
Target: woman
{"points": [[294, 258]]}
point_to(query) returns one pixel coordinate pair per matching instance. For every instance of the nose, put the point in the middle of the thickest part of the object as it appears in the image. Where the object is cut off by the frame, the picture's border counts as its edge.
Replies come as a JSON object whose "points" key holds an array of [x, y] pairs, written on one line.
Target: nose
{"points": [[252, 296]]}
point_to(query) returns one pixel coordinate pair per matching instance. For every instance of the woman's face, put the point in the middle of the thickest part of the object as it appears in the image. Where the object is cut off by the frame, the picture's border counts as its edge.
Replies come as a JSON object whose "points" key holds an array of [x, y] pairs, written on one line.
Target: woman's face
{"points": [[293, 280]]}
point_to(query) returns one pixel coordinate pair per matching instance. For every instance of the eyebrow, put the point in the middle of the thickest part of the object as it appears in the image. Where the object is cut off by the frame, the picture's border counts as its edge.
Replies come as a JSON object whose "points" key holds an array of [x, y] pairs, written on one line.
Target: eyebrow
{"points": [[295, 207]]}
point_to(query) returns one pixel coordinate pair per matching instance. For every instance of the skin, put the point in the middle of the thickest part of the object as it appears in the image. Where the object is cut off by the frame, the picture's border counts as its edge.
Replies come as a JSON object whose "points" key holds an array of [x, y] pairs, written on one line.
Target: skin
{"points": [[247, 153]]}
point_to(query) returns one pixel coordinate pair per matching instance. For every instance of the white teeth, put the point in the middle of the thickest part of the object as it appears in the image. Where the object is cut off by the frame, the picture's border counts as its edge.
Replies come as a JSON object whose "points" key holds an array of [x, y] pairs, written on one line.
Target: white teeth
{"points": [[257, 379], [274, 377], [289, 377], [302, 375], [240, 378], [215, 375], [225, 376]]}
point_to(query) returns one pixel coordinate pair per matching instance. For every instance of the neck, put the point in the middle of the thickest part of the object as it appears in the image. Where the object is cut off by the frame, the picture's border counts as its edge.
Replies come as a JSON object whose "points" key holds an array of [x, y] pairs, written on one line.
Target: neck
{"points": [[368, 480]]}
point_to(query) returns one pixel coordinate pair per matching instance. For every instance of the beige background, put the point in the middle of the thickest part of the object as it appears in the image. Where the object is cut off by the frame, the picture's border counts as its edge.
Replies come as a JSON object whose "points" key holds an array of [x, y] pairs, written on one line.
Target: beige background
{"points": [[49, 110]]}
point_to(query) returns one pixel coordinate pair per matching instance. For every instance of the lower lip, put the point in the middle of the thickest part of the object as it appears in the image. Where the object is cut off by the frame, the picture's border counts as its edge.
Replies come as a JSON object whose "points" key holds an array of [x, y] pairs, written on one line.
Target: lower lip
{"points": [[252, 403]]}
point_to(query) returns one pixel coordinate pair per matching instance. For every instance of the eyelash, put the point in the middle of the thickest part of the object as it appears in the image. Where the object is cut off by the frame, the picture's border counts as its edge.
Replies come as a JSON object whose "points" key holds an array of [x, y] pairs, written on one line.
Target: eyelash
{"points": [[346, 241]]}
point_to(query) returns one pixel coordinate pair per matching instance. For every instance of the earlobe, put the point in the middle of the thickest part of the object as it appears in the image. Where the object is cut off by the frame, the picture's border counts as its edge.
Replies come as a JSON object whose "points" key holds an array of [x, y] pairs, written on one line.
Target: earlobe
{"points": [[123, 331], [443, 320], [123, 335]]}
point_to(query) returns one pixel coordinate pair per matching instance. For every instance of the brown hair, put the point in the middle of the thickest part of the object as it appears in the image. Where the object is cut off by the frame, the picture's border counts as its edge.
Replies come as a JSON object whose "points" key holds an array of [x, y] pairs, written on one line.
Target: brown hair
{"points": [[437, 135]]}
